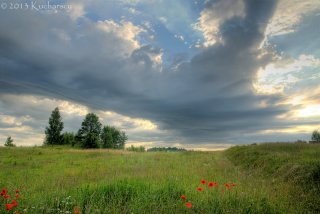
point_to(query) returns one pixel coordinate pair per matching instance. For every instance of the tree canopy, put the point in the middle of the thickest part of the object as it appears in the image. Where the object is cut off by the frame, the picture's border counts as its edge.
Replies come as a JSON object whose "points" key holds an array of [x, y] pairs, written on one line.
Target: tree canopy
{"points": [[53, 131], [315, 136], [112, 138], [89, 133], [9, 142]]}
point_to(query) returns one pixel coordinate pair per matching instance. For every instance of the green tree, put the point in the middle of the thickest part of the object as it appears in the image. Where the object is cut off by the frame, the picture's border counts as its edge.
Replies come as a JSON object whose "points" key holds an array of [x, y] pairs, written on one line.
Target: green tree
{"points": [[89, 133], [106, 137], [315, 136], [113, 138], [9, 142], [53, 132], [69, 138]]}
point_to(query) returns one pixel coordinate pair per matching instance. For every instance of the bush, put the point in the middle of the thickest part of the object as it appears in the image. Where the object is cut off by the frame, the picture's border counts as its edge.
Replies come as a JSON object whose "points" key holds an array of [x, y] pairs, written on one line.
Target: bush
{"points": [[136, 148]]}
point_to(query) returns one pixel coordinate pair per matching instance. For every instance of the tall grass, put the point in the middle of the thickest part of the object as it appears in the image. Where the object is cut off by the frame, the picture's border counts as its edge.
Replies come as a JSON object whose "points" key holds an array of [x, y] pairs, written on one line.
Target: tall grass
{"points": [[55, 180], [296, 165]]}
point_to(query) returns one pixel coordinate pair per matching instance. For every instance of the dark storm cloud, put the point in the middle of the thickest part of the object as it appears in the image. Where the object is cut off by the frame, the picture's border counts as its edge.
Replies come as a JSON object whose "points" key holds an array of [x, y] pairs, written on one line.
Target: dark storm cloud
{"points": [[207, 99]]}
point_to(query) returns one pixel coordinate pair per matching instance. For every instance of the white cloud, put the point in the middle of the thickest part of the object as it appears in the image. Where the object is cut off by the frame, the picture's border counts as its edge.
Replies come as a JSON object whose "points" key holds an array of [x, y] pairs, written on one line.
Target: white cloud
{"points": [[278, 76], [77, 10], [180, 37], [289, 14], [12, 120], [211, 18], [124, 30]]}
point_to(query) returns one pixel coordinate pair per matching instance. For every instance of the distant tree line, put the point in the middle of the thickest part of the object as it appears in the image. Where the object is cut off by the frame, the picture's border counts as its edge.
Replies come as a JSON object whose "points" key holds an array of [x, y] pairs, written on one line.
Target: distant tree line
{"points": [[166, 149], [90, 135], [136, 148]]}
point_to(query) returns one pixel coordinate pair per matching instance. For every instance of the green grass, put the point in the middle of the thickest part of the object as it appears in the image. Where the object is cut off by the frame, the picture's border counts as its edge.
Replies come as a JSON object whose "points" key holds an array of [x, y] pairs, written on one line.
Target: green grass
{"points": [[295, 166], [55, 180]]}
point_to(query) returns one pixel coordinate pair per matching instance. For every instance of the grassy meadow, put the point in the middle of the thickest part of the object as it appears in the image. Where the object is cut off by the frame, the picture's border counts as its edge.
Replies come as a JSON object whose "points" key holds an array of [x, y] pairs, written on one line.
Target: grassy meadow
{"points": [[270, 178]]}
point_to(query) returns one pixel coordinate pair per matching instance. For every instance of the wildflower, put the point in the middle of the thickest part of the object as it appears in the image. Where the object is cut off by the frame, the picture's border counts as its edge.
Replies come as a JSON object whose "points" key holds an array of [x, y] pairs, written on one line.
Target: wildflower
{"points": [[17, 196], [188, 204], [199, 189], [183, 197], [3, 192], [14, 203], [76, 210], [7, 196], [203, 181], [228, 186], [17, 190], [9, 206], [233, 184], [210, 184]]}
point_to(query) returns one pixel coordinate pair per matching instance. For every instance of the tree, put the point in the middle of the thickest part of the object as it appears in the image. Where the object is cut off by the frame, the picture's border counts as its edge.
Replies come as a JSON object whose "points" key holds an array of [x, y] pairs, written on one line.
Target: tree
{"points": [[106, 137], [69, 138], [315, 136], [9, 142], [89, 133], [53, 132], [113, 138]]}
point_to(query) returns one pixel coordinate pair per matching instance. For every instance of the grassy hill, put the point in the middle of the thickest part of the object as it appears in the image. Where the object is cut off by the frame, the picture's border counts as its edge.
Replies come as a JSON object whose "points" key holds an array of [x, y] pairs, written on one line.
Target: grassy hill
{"points": [[268, 178], [297, 166]]}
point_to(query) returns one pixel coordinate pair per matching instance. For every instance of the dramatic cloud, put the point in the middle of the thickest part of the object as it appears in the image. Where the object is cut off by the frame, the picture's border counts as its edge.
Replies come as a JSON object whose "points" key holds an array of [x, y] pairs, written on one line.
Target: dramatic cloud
{"points": [[230, 91]]}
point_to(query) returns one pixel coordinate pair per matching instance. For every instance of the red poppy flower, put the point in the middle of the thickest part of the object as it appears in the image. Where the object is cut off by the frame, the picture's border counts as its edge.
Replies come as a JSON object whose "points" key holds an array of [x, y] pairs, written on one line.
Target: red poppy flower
{"points": [[228, 186], [199, 189], [183, 197], [4, 191], [233, 184], [9, 206], [17, 190], [14, 203], [203, 181], [17, 196], [210, 184], [7, 196], [189, 205], [76, 210]]}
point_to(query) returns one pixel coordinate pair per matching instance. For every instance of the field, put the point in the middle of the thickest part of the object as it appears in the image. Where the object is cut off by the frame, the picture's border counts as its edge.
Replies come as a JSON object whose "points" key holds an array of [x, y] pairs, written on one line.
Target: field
{"points": [[270, 178]]}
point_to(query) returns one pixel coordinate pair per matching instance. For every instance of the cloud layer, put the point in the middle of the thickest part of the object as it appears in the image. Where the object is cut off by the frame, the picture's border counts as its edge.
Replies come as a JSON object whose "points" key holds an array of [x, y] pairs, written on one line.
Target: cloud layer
{"points": [[105, 65]]}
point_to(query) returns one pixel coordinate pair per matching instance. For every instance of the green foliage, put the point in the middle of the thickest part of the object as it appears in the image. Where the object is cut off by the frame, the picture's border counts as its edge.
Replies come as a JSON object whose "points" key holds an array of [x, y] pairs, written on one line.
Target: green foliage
{"points": [[112, 138], [9, 142], [315, 136], [136, 148], [53, 132], [166, 149], [69, 138], [89, 133]]}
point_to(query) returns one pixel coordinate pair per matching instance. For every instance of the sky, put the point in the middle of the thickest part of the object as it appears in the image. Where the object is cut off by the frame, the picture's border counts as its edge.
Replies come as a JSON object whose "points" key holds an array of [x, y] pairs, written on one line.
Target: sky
{"points": [[187, 73]]}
